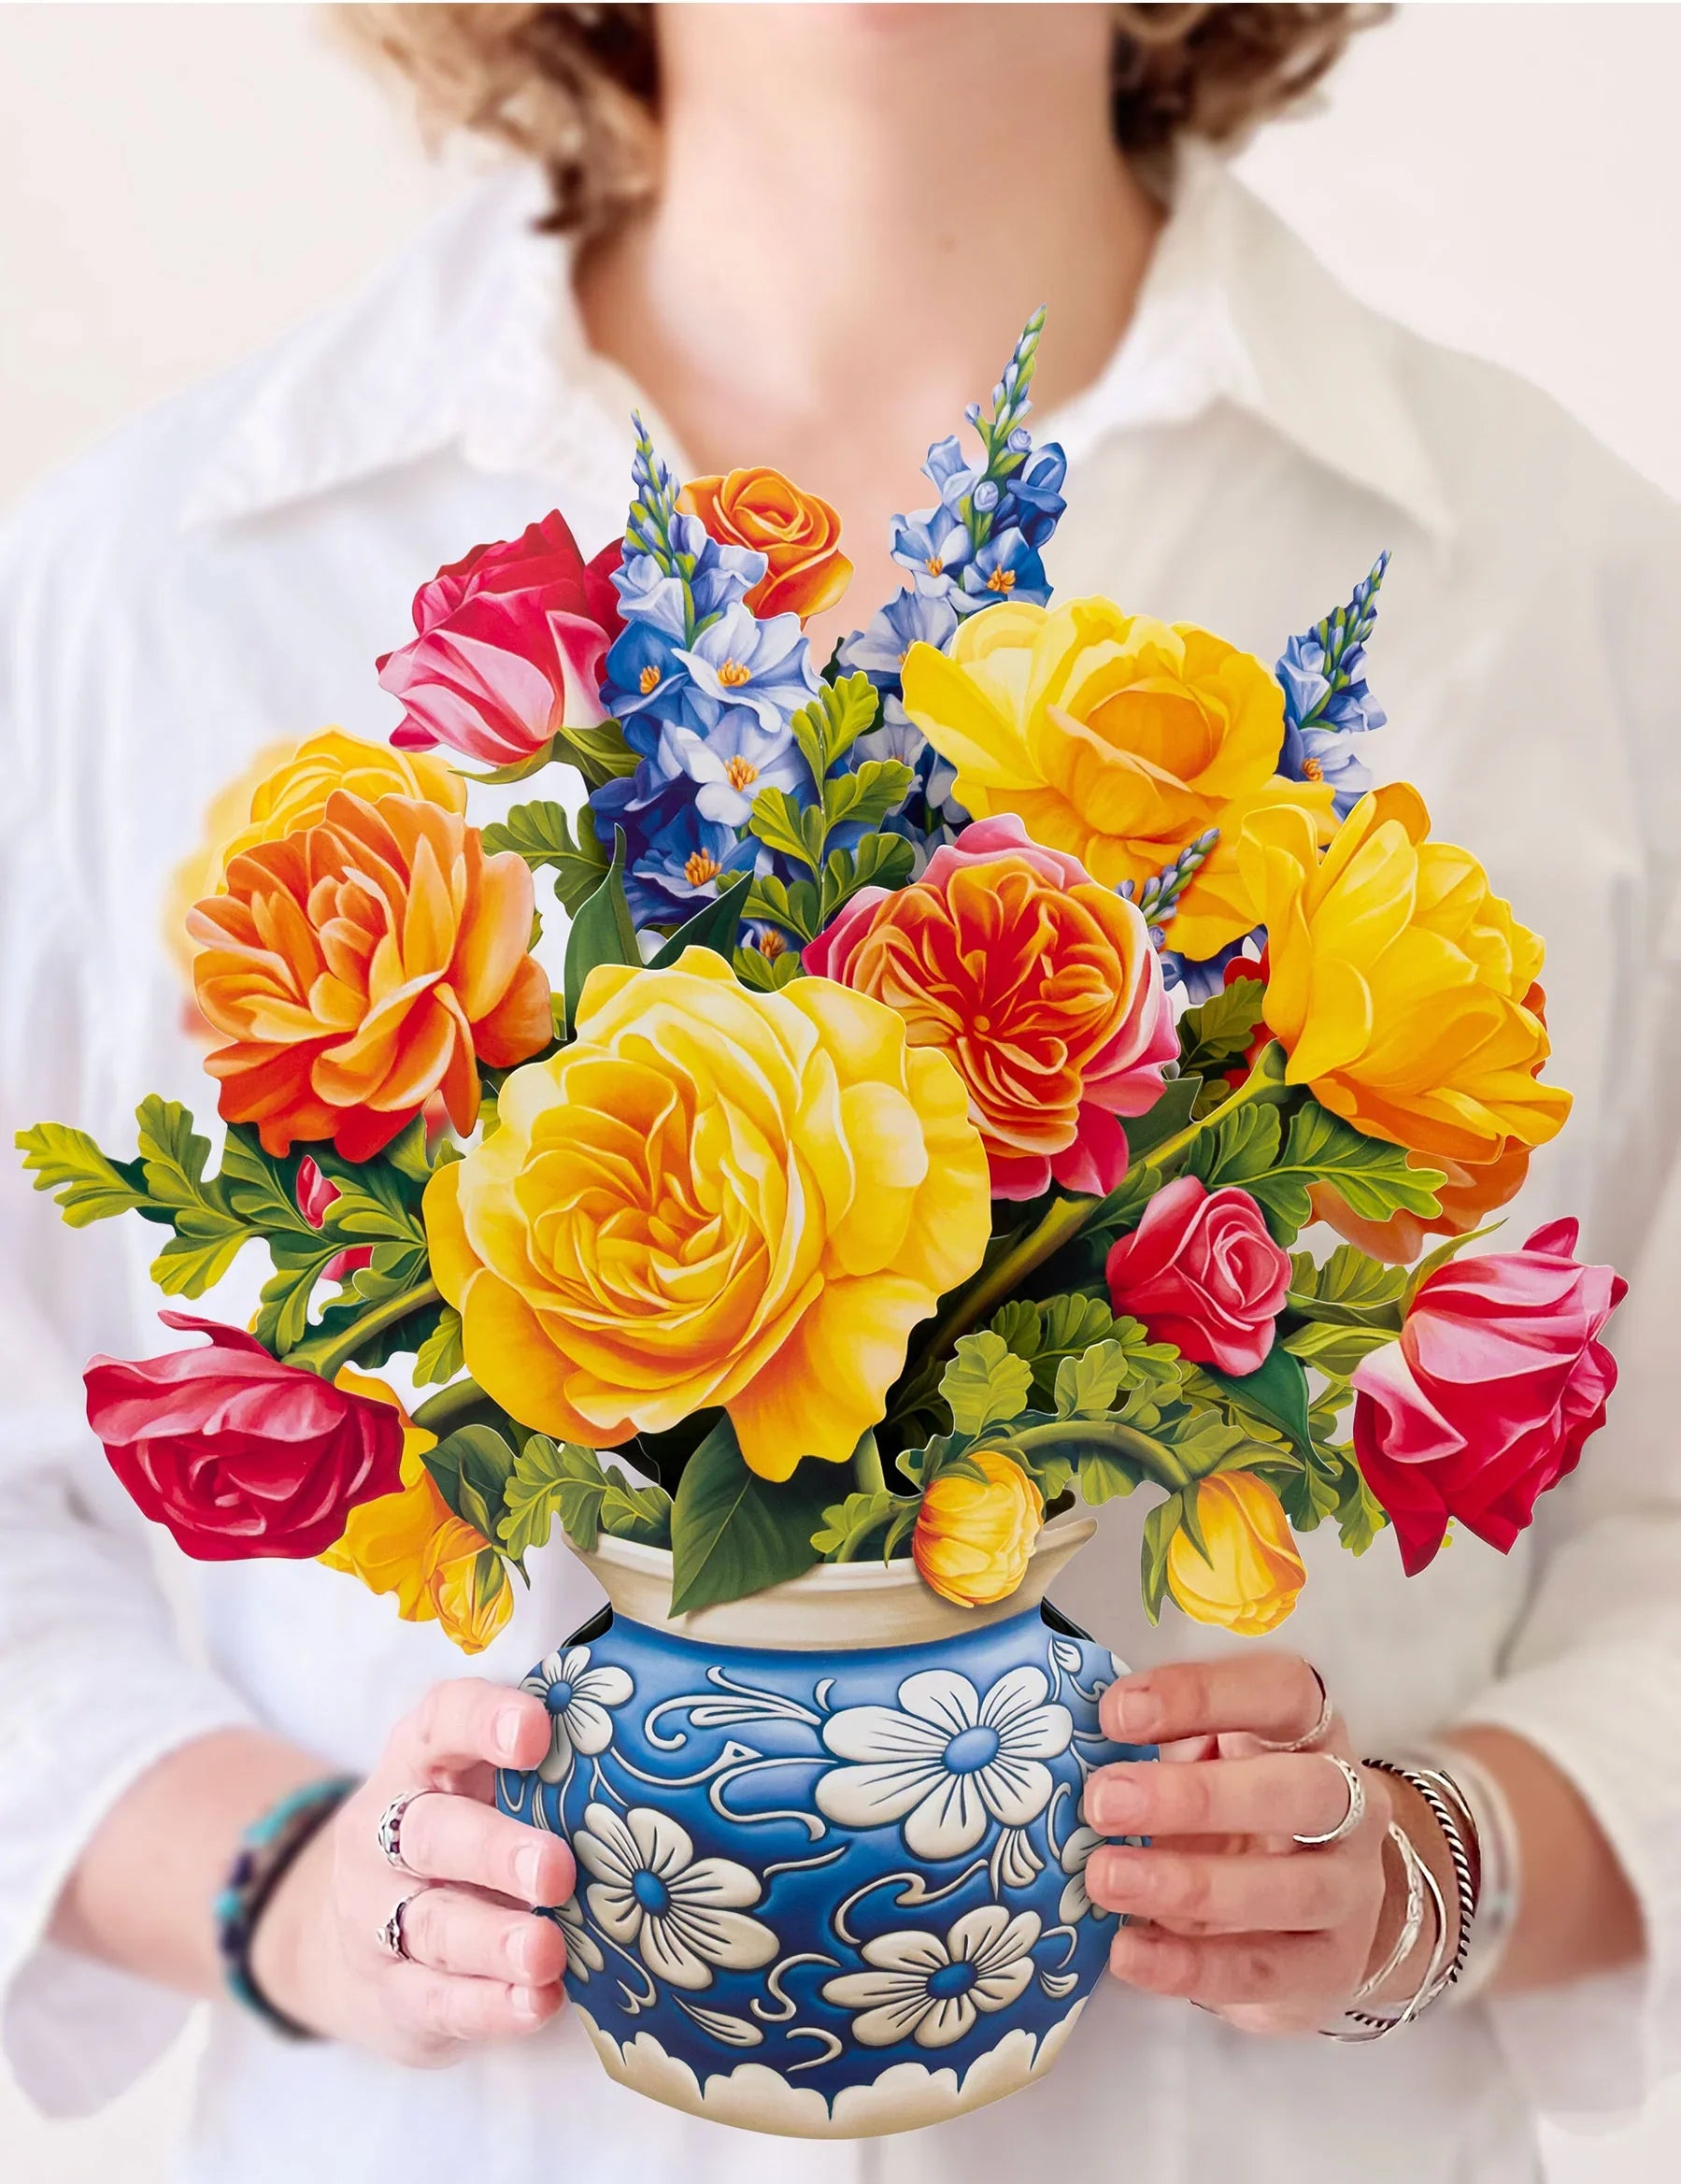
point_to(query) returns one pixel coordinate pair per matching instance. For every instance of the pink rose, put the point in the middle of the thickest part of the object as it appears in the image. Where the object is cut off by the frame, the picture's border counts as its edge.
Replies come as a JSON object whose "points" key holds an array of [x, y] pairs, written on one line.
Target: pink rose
{"points": [[315, 1194], [1485, 1400], [510, 648], [1044, 989], [236, 1453], [1200, 1271]]}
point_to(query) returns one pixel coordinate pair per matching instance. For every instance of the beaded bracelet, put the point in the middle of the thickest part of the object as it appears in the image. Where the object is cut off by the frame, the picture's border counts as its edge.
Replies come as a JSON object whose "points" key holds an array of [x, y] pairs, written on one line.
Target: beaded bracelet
{"points": [[266, 1851]]}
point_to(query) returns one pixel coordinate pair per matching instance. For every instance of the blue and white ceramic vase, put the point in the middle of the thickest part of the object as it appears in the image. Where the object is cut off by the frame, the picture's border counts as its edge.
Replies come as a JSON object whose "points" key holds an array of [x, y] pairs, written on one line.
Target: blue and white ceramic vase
{"points": [[829, 1845]]}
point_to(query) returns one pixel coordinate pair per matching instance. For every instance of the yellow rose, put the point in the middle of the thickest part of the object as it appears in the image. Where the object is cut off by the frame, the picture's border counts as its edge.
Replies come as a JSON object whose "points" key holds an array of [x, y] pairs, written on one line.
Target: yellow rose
{"points": [[973, 1537], [713, 1196], [412, 1544], [1116, 739], [1401, 984], [286, 787], [1252, 1574]]}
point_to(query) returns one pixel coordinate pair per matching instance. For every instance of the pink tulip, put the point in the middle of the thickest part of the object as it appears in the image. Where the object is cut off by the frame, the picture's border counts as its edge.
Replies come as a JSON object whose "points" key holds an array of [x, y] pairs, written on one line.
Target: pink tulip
{"points": [[1486, 1400]]}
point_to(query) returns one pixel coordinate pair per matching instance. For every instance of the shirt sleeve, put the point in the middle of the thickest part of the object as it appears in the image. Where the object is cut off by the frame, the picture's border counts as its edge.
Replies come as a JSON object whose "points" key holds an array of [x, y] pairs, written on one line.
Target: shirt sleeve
{"points": [[95, 1685], [1592, 1675]]}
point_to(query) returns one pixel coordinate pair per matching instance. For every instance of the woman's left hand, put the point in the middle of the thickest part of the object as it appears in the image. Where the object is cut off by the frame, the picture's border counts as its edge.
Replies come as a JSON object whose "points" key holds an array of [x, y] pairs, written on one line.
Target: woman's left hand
{"points": [[1267, 1935]]}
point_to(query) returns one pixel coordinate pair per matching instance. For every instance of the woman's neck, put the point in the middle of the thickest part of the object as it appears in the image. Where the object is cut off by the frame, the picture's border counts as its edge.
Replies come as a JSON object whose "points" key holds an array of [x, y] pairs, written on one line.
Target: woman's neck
{"points": [[858, 207]]}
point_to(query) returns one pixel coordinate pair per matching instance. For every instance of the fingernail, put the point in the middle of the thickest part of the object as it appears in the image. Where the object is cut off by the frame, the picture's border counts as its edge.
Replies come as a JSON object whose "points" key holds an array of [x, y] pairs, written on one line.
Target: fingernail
{"points": [[528, 1872], [1135, 1712], [1122, 1875], [1115, 1800], [528, 2005], [508, 1723]]}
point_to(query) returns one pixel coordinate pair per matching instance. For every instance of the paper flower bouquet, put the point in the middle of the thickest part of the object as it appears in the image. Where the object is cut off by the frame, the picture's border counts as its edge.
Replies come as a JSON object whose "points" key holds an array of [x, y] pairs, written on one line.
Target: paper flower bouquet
{"points": [[912, 1141]]}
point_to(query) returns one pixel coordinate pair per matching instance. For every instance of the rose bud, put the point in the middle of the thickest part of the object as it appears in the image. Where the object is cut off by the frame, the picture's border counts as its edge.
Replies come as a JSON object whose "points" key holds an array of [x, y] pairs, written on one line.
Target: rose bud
{"points": [[1201, 1272], [1248, 1581], [973, 1537]]}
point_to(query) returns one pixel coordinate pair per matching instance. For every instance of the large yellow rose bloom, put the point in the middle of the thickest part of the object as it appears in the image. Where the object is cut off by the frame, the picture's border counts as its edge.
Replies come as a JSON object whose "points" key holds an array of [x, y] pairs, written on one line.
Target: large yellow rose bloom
{"points": [[713, 1196], [1401, 984], [286, 787], [1249, 1582], [1116, 739]]}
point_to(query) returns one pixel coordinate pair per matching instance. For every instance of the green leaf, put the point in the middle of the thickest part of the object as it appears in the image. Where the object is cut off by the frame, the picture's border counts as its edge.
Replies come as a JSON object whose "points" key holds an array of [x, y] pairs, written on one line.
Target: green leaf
{"points": [[1236, 1150], [563, 1478], [542, 835], [766, 974], [1350, 1290], [600, 753], [1103, 1475], [1086, 1386], [1166, 1118], [874, 861], [187, 1267], [827, 728], [440, 1356], [1220, 1030], [984, 1384], [1275, 1391], [779, 822], [88, 1184], [713, 927], [1359, 1516], [733, 1532], [1332, 1349], [847, 1526], [796, 907], [1374, 1179], [864, 798], [1158, 1529], [471, 1468], [602, 931], [1306, 1492]]}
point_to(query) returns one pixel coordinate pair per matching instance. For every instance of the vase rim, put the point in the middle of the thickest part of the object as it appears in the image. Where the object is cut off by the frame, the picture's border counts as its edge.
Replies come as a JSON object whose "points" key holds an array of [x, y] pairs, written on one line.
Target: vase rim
{"points": [[837, 1607]]}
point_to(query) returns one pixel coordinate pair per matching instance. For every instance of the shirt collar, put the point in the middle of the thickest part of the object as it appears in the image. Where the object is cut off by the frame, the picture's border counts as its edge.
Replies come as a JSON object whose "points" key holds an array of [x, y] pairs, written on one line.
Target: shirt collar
{"points": [[469, 340]]}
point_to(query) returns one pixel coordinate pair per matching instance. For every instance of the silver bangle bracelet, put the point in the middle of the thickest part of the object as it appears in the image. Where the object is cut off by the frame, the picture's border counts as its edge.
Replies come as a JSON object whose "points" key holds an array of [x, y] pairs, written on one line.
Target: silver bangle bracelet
{"points": [[1459, 1853], [1412, 1923], [1369, 2025], [1500, 1861]]}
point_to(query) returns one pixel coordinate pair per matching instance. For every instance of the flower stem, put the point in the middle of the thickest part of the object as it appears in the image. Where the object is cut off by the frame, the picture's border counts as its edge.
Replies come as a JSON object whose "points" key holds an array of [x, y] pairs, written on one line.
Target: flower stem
{"points": [[374, 1322], [450, 1406], [1265, 1078], [1076, 1437], [1059, 1224], [866, 1463]]}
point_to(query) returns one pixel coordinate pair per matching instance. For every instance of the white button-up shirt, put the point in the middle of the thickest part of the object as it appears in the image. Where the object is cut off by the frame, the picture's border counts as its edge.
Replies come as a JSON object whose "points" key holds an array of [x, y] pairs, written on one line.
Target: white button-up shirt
{"points": [[224, 573]]}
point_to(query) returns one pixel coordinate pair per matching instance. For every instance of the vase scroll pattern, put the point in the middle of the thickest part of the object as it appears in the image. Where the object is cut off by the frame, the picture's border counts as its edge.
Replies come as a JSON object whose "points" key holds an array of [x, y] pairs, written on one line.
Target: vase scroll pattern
{"points": [[825, 1892]]}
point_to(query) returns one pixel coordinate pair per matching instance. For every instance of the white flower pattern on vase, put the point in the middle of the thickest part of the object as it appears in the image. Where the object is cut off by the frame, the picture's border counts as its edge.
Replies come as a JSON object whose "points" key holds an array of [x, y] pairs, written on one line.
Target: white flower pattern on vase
{"points": [[944, 1760], [923, 1988], [577, 1697], [583, 1952], [684, 1914], [1077, 1897]]}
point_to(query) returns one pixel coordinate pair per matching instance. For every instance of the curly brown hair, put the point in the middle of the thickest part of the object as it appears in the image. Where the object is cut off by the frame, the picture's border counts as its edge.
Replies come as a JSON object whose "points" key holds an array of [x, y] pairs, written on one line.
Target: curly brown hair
{"points": [[577, 88]]}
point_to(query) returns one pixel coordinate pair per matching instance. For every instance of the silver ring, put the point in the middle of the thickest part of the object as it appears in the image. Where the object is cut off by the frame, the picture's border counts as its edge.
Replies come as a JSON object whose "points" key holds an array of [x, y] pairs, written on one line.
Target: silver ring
{"points": [[1310, 1737], [390, 1828], [1351, 1819], [392, 1938]]}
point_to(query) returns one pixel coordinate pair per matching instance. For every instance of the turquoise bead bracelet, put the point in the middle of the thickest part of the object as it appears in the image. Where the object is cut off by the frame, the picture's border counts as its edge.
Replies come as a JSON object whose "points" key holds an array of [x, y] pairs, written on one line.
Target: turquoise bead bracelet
{"points": [[266, 1851]]}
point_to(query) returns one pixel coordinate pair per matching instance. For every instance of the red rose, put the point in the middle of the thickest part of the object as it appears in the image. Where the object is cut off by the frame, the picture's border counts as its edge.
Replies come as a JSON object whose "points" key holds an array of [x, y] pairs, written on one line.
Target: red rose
{"points": [[238, 1454], [1485, 1400], [1200, 1271], [315, 1194], [510, 648]]}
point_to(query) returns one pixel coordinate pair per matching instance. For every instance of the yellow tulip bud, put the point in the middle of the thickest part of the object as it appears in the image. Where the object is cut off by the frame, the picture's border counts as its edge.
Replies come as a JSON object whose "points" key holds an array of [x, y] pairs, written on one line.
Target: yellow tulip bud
{"points": [[974, 1536], [1251, 1575]]}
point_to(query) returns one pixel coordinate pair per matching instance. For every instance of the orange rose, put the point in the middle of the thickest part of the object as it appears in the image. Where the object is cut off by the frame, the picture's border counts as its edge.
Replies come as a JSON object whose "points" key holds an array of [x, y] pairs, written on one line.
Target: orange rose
{"points": [[798, 535], [358, 966]]}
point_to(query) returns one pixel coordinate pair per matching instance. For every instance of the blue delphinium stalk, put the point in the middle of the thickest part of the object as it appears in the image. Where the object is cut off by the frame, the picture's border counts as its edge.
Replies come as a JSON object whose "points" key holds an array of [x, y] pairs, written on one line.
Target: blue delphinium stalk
{"points": [[1326, 697]]}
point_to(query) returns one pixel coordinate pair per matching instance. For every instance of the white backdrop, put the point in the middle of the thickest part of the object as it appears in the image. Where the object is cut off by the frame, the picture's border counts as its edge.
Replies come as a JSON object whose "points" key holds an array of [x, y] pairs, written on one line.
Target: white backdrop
{"points": [[179, 184]]}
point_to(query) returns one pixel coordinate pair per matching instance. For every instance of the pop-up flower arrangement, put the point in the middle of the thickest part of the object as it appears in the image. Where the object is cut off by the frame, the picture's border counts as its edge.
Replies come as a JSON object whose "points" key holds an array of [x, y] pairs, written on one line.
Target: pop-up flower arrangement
{"points": [[917, 1137]]}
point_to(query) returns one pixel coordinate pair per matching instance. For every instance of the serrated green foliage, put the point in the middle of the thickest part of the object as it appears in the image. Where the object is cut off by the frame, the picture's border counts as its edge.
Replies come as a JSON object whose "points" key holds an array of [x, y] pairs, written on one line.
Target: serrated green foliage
{"points": [[1086, 1386], [1374, 1179], [866, 796], [984, 1384], [793, 906], [1218, 1032], [782, 823], [601, 931], [874, 861], [714, 926], [1236, 1151], [1332, 1349], [766, 974], [440, 1356], [471, 1468], [733, 1532], [827, 728], [876, 1521], [88, 1184], [1159, 1528], [1350, 1288], [561, 1478], [546, 837]]}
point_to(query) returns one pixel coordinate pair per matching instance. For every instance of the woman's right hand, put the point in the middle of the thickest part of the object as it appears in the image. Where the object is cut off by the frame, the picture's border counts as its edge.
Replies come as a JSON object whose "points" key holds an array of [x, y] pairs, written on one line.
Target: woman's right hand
{"points": [[482, 1965]]}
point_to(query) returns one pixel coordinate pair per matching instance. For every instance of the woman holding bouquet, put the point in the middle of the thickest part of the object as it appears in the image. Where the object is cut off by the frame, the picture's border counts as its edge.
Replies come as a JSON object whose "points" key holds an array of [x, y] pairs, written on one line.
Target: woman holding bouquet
{"points": [[740, 207]]}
